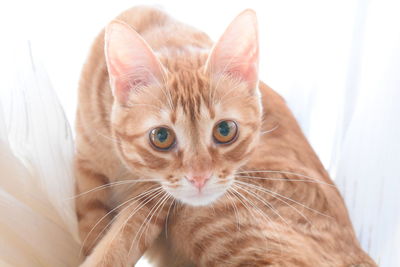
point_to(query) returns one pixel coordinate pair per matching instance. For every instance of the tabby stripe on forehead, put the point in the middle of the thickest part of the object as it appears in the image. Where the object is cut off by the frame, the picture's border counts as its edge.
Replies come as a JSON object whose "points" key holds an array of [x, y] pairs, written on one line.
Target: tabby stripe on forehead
{"points": [[173, 116], [198, 101], [212, 112]]}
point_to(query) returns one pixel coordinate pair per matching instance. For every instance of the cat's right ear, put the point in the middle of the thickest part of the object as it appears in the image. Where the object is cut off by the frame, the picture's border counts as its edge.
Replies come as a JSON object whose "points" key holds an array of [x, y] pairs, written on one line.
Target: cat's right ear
{"points": [[131, 62]]}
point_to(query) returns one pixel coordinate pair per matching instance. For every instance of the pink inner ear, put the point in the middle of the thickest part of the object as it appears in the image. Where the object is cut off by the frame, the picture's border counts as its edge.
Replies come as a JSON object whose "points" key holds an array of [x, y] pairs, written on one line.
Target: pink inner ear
{"points": [[131, 62], [125, 86], [245, 66], [236, 53]]}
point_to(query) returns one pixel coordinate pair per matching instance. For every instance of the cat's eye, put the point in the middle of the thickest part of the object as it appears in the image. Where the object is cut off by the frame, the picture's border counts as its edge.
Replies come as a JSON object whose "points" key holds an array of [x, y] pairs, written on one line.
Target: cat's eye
{"points": [[162, 138], [225, 132]]}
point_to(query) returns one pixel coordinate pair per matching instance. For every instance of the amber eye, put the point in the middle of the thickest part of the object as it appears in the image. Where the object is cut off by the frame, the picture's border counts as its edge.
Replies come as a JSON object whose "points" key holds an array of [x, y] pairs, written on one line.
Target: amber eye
{"points": [[225, 132], [162, 138]]}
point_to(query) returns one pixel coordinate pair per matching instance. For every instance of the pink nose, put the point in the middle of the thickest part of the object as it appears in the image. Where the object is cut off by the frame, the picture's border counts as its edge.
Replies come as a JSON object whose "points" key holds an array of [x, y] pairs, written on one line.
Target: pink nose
{"points": [[198, 180]]}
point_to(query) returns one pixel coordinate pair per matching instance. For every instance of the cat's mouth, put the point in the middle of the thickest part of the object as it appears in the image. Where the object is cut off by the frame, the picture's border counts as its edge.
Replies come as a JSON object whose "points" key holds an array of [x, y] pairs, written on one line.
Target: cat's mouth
{"points": [[200, 198], [189, 194]]}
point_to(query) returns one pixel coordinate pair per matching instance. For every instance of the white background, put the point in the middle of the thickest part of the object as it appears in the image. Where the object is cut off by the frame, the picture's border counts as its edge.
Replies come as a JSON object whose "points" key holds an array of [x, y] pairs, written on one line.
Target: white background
{"points": [[304, 44], [336, 62]]}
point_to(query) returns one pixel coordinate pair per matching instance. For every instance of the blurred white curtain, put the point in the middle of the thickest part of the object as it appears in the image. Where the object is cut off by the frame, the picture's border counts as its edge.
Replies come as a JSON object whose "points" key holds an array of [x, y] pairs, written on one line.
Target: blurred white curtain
{"points": [[350, 113], [37, 217], [368, 160], [336, 62]]}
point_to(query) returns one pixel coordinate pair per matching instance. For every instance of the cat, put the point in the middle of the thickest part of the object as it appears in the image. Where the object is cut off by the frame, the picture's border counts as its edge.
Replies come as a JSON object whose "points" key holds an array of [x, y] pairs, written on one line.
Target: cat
{"points": [[183, 154]]}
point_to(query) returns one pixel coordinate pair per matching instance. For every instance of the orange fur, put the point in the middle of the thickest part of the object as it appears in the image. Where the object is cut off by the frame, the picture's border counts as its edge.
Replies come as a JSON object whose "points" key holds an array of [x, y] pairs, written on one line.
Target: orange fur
{"points": [[289, 215]]}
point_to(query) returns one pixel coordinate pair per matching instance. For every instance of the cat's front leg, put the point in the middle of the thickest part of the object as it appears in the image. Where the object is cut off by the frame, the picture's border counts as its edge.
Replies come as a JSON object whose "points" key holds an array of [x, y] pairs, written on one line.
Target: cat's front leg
{"points": [[91, 204], [133, 231]]}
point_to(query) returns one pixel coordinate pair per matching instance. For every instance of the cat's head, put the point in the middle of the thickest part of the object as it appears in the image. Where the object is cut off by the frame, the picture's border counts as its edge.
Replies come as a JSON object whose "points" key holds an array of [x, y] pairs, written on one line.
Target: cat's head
{"points": [[188, 120]]}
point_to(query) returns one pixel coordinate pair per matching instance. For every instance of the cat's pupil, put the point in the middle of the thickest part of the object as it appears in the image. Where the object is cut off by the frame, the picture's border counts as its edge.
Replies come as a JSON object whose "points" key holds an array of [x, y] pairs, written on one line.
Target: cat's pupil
{"points": [[224, 128], [162, 135]]}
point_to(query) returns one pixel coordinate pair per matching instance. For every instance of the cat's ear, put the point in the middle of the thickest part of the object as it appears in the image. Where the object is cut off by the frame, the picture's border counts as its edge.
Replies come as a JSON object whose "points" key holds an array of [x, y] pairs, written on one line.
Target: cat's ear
{"points": [[130, 61], [236, 52]]}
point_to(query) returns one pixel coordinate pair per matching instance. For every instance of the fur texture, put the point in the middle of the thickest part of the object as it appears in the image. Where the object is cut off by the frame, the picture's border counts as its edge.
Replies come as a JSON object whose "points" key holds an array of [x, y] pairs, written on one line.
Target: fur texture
{"points": [[265, 198]]}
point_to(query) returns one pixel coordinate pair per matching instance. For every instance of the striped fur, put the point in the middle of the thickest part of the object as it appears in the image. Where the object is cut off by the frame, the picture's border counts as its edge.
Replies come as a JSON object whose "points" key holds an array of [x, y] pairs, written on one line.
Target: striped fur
{"points": [[126, 204]]}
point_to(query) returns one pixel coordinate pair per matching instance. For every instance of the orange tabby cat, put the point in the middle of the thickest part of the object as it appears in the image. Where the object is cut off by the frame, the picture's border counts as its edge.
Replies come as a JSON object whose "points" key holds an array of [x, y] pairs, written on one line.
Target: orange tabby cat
{"points": [[183, 154]]}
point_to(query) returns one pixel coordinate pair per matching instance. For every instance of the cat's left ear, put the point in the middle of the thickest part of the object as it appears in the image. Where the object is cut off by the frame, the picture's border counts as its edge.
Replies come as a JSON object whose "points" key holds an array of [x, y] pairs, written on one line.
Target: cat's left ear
{"points": [[131, 63], [236, 53]]}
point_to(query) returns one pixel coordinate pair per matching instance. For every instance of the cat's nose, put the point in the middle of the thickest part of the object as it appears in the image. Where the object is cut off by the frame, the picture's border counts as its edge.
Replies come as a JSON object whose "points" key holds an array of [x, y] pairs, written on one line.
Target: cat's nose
{"points": [[198, 180]]}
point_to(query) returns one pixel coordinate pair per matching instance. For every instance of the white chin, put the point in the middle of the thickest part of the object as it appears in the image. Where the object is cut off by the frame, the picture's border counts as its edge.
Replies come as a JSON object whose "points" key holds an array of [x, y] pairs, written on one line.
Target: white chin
{"points": [[190, 195], [199, 199]]}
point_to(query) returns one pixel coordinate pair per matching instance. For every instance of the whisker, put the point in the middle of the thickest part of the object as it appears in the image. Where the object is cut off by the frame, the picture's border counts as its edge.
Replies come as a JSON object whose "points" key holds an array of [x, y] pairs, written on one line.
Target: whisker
{"points": [[271, 130], [282, 196], [251, 203], [285, 179], [263, 214], [110, 185], [147, 192], [284, 172], [243, 203], [166, 220], [293, 207], [159, 209], [266, 203], [155, 194], [234, 208], [147, 220]]}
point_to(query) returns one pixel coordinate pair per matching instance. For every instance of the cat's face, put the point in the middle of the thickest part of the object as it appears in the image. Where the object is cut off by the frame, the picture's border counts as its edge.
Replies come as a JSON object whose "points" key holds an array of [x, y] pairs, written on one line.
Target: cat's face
{"points": [[195, 145], [188, 128]]}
